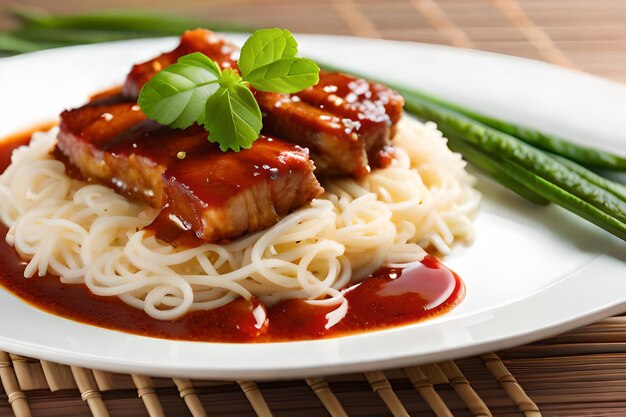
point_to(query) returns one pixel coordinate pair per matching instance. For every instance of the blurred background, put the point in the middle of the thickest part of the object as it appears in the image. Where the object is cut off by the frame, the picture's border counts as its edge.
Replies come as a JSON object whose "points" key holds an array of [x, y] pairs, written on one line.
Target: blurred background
{"points": [[580, 34]]}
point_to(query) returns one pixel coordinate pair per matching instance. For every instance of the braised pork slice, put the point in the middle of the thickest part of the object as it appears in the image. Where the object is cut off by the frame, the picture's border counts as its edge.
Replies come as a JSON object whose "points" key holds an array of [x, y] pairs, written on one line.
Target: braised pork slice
{"points": [[215, 47], [345, 121], [216, 195]]}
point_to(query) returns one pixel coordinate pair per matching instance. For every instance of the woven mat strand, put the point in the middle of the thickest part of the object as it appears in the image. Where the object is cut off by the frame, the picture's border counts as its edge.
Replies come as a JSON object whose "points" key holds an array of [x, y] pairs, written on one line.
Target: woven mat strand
{"points": [[34, 387], [579, 373], [568, 375]]}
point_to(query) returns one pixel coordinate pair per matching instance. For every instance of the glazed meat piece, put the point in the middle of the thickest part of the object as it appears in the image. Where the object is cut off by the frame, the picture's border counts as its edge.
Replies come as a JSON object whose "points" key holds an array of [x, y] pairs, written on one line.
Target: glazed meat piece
{"points": [[199, 40], [346, 122], [216, 195]]}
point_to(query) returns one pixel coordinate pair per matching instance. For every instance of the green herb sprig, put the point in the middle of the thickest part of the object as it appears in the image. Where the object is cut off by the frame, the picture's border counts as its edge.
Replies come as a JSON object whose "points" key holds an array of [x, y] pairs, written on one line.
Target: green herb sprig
{"points": [[196, 90]]}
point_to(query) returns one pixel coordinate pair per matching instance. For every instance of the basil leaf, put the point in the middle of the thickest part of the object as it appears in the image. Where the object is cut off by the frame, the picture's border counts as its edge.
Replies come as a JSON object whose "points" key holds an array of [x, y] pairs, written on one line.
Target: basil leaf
{"points": [[264, 47], [229, 78], [287, 75], [196, 90], [176, 95], [233, 117]]}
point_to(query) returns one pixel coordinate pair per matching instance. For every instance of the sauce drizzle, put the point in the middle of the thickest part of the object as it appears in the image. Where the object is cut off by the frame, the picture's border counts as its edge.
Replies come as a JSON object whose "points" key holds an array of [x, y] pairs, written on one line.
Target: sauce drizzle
{"points": [[389, 297]]}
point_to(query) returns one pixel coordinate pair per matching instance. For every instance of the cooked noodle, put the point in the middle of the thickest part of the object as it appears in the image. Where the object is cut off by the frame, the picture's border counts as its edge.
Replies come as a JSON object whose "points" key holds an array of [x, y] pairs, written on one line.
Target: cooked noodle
{"points": [[90, 234]]}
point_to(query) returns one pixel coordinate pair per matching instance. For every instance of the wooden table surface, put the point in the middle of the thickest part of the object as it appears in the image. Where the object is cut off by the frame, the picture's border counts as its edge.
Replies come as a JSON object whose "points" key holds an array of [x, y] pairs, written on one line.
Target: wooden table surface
{"points": [[581, 373], [589, 35]]}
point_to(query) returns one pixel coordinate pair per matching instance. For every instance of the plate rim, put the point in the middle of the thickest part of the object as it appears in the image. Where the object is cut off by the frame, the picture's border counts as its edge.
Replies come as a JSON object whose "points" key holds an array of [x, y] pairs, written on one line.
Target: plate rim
{"points": [[531, 332]]}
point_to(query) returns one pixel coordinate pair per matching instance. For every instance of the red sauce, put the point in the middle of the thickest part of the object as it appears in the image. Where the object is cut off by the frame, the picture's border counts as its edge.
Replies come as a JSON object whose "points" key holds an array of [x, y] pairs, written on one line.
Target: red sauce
{"points": [[385, 157], [9, 143], [388, 298], [165, 228], [112, 93]]}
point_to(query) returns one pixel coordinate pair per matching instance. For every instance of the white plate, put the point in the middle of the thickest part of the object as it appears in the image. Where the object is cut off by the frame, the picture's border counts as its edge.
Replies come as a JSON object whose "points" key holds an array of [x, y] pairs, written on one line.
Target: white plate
{"points": [[532, 272]]}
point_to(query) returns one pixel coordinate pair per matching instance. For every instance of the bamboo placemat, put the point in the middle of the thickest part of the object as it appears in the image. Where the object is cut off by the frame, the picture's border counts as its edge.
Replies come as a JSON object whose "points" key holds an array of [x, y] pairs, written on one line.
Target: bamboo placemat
{"points": [[580, 373]]}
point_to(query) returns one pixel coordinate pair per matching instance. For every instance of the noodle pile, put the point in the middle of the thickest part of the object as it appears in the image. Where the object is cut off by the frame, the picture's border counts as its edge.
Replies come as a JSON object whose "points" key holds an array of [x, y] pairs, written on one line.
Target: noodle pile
{"points": [[89, 234]]}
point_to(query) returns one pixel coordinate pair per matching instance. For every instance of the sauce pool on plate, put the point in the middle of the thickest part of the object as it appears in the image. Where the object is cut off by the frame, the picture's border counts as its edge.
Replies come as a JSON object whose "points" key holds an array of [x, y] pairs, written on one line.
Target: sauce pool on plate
{"points": [[388, 298]]}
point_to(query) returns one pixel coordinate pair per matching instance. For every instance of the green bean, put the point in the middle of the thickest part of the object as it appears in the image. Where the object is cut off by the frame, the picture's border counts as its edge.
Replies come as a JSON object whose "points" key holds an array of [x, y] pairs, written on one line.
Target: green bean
{"points": [[566, 200], [493, 167], [618, 189], [581, 154], [505, 146], [134, 21], [73, 36], [11, 44]]}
